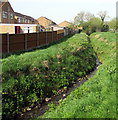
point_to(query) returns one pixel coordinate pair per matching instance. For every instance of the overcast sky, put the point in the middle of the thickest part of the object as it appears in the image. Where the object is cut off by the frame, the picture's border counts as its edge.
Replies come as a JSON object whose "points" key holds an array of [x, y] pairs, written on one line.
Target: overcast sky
{"points": [[61, 10]]}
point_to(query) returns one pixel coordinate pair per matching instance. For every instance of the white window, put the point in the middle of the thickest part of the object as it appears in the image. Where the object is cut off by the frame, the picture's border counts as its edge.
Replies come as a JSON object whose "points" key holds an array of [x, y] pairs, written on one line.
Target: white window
{"points": [[11, 15], [4, 14], [25, 20], [19, 20], [28, 21]]}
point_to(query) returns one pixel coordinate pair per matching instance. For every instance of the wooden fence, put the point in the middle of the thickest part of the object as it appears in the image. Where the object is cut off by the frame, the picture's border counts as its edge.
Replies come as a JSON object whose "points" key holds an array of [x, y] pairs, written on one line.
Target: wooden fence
{"points": [[18, 42]]}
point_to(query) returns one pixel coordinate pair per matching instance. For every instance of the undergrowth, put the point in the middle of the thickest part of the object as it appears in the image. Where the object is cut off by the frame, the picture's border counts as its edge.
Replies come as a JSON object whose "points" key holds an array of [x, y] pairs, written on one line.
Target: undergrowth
{"points": [[30, 77], [96, 98]]}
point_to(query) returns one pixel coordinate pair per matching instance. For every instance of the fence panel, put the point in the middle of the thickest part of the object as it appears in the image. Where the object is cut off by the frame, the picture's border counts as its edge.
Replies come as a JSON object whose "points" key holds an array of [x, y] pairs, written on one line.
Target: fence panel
{"points": [[42, 38], [3, 43], [55, 36], [49, 37], [31, 40], [16, 42], [60, 34]]}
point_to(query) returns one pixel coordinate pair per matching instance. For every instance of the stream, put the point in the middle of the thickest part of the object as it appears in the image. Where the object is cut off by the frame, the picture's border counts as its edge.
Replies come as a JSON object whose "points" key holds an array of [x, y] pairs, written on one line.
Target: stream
{"points": [[42, 108]]}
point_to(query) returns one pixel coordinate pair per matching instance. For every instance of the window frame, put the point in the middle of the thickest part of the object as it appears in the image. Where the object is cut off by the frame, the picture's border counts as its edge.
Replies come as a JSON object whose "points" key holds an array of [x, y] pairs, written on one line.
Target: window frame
{"points": [[5, 15]]}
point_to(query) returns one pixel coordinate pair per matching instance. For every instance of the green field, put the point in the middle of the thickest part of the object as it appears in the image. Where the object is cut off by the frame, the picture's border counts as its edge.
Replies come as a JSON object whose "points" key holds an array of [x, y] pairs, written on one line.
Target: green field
{"points": [[30, 77], [97, 97]]}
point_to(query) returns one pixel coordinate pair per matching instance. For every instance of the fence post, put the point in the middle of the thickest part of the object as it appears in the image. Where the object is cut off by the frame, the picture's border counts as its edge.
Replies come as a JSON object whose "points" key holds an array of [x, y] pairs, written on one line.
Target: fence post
{"points": [[52, 34], [37, 38], [8, 43], [46, 38], [57, 35], [25, 41]]}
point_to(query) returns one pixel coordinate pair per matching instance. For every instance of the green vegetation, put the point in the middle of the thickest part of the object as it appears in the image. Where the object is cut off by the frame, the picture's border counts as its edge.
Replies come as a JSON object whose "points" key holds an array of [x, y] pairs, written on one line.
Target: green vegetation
{"points": [[96, 98], [91, 23], [112, 24], [31, 77]]}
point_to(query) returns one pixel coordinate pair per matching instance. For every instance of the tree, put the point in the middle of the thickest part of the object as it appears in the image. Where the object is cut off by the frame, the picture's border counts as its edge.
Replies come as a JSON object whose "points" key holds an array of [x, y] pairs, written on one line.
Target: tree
{"points": [[88, 16], [93, 25], [79, 19], [103, 15], [112, 24], [83, 17]]}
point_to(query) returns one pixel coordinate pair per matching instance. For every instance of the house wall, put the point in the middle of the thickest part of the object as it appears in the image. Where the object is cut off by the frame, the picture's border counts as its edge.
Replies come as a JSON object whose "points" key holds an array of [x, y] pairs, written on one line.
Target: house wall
{"points": [[0, 12], [8, 12], [10, 28], [7, 29], [23, 20], [24, 29]]}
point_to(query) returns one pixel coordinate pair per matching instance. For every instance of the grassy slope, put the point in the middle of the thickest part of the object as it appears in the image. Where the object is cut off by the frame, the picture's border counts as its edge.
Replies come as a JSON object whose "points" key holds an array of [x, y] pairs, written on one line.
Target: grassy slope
{"points": [[97, 97], [30, 77]]}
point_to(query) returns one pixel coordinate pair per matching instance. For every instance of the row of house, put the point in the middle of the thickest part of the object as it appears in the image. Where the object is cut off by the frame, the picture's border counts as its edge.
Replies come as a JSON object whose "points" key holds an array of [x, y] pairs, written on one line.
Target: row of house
{"points": [[13, 22], [9, 16]]}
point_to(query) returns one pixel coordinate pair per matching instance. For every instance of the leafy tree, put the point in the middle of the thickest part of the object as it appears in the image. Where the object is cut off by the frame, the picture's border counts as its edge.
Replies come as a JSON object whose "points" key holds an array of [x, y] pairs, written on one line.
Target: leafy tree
{"points": [[112, 24], [86, 27], [93, 25]]}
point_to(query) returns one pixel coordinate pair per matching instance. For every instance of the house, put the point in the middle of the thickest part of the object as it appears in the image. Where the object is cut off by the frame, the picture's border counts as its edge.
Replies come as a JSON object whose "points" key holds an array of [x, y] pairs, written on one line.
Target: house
{"points": [[64, 24], [56, 27], [14, 23], [6, 13], [24, 19], [46, 23], [67, 29]]}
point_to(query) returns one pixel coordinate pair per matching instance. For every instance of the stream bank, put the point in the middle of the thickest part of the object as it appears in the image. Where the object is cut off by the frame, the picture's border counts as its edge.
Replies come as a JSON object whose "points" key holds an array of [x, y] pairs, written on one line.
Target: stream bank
{"points": [[42, 108]]}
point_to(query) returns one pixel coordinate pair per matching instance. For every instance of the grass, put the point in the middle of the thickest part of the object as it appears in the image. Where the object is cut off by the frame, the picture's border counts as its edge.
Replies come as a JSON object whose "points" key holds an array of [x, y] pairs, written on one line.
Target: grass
{"points": [[97, 97], [30, 77]]}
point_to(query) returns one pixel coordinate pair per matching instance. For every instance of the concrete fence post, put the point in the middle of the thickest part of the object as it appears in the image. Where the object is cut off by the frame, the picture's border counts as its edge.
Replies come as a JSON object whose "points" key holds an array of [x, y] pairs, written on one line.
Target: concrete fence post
{"points": [[25, 41], [8, 43], [37, 38]]}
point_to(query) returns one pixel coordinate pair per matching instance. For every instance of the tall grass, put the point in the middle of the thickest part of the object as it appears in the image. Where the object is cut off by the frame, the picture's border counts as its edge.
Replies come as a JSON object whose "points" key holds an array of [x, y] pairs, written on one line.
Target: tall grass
{"points": [[97, 97], [31, 77]]}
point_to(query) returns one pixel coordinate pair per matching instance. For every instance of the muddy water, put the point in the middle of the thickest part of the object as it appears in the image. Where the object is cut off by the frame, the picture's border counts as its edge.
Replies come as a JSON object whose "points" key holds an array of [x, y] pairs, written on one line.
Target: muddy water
{"points": [[42, 108]]}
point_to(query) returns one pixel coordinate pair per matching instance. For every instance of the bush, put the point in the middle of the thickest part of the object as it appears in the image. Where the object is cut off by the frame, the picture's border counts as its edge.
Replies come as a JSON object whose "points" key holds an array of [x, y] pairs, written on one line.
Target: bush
{"points": [[105, 28]]}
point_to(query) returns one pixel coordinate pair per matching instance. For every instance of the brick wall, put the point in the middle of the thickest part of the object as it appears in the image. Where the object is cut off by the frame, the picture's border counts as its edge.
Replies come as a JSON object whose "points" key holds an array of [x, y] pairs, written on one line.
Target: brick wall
{"points": [[7, 8]]}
